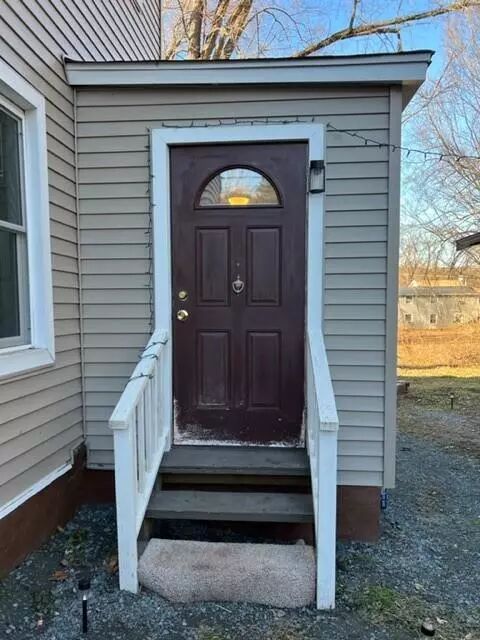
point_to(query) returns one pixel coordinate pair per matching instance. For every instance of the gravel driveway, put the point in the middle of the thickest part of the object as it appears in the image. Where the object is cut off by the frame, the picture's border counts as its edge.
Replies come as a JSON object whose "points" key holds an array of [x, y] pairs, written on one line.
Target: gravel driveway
{"points": [[426, 566]]}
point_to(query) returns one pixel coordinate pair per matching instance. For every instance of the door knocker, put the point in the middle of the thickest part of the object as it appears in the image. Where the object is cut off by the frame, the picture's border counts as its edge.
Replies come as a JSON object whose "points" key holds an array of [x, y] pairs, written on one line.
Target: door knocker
{"points": [[238, 285]]}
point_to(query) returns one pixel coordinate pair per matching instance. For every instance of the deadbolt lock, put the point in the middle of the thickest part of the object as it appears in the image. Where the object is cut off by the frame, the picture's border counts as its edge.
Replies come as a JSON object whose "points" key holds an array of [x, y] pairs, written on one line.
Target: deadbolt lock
{"points": [[182, 315], [182, 295]]}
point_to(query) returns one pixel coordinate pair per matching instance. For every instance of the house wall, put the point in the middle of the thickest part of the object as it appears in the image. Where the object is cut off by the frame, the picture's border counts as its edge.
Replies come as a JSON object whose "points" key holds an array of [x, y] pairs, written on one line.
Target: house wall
{"points": [[41, 413], [113, 141], [446, 308]]}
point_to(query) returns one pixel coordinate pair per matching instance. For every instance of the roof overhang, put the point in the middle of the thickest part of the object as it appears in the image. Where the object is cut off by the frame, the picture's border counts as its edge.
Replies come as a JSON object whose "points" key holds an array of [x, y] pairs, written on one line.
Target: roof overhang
{"points": [[468, 241], [406, 69]]}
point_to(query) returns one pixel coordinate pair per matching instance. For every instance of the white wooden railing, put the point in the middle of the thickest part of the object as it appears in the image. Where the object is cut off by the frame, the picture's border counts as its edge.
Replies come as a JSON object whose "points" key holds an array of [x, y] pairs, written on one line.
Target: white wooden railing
{"points": [[141, 424], [322, 433]]}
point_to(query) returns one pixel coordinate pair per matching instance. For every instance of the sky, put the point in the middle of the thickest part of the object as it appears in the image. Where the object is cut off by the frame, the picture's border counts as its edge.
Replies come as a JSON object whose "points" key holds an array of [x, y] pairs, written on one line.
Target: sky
{"points": [[316, 18]]}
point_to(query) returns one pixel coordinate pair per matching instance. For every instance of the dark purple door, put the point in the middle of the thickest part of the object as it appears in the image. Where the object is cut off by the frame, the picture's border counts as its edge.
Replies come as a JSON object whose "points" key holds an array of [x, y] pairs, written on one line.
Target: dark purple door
{"points": [[238, 244]]}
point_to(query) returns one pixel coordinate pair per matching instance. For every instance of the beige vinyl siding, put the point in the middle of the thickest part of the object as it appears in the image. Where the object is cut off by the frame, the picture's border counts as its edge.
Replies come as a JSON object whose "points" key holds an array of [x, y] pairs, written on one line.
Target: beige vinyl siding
{"points": [[41, 413], [113, 143]]}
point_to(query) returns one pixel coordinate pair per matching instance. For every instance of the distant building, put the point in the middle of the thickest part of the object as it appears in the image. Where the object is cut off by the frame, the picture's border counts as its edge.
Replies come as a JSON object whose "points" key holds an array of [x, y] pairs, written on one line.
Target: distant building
{"points": [[459, 281], [431, 307], [467, 242]]}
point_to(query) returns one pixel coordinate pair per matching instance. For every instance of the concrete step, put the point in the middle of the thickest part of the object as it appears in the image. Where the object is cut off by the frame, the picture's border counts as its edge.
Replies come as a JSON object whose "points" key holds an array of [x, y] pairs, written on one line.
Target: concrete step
{"points": [[192, 571], [252, 461], [230, 506]]}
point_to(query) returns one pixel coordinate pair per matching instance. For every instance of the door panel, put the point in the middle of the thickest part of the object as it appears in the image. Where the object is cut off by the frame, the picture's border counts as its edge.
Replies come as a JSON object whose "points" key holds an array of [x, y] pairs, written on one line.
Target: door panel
{"points": [[213, 369], [264, 369], [264, 266], [212, 249], [240, 259]]}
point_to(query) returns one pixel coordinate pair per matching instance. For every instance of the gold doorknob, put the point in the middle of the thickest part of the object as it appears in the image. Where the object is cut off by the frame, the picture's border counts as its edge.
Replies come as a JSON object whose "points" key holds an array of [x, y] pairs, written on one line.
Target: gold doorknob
{"points": [[182, 315]]}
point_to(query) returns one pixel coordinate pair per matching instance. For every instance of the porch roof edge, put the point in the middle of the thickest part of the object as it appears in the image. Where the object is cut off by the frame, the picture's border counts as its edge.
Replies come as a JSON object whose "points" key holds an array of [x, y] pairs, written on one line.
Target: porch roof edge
{"points": [[406, 68]]}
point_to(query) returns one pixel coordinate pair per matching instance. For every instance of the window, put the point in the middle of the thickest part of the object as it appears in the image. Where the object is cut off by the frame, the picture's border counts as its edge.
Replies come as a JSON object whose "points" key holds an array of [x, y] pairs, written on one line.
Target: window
{"points": [[408, 317], [408, 299], [458, 318], [239, 187], [433, 299], [26, 306], [433, 318], [14, 317]]}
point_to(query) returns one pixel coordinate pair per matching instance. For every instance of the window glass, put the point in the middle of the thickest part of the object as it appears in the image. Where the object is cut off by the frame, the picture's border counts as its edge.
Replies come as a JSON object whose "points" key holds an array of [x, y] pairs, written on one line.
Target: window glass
{"points": [[239, 187], [14, 304], [9, 294], [10, 177]]}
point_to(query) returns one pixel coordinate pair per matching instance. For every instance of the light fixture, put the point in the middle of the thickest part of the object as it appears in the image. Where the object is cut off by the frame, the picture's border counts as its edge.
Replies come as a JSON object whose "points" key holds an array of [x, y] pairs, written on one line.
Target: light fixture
{"points": [[316, 182], [238, 201]]}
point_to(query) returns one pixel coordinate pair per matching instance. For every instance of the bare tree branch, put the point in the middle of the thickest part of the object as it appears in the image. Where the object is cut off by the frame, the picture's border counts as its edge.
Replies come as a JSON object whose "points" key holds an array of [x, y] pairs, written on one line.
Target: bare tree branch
{"points": [[234, 28], [376, 27], [194, 33], [210, 29], [215, 28], [354, 13]]}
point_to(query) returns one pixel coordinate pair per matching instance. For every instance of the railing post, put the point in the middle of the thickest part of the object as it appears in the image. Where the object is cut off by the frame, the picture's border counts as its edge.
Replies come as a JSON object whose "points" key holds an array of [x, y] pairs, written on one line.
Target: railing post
{"points": [[125, 496], [326, 517], [167, 395]]}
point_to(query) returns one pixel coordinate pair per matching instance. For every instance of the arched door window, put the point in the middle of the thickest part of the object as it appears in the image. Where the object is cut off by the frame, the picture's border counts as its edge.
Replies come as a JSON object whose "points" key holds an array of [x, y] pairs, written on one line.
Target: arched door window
{"points": [[239, 187]]}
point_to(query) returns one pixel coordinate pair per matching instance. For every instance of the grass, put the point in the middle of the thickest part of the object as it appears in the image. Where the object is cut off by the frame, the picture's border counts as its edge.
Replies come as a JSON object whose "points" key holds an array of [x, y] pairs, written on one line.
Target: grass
{"points": [[426, 411], [383, 605], [403, 612], [75, 548], [453, 350], [440, 372], [207, 633], [435, 393]]}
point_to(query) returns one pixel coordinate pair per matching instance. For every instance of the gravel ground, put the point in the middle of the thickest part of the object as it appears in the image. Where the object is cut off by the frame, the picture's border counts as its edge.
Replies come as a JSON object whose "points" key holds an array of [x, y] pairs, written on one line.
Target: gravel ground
{"points": [[426, 566]]}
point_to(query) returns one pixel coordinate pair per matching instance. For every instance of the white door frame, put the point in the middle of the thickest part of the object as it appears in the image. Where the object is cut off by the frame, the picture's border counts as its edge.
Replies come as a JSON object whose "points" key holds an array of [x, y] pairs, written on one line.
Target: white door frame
{"points": [[161, 141]]}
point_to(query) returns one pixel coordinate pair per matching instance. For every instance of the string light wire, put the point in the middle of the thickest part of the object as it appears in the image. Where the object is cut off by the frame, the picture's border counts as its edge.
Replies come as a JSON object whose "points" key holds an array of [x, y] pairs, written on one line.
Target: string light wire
{"points": [[217, 122]]}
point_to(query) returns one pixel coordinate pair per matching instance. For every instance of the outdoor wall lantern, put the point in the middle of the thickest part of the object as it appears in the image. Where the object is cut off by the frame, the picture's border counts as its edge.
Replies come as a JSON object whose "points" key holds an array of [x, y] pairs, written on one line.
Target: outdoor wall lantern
{"points": [[317, 176]]}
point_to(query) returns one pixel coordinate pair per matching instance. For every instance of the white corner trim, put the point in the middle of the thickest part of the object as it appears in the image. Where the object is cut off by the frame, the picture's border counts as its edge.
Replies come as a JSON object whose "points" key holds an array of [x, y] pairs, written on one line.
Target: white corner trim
{"points": [[41, 350], [394, 161], [34, 489]]}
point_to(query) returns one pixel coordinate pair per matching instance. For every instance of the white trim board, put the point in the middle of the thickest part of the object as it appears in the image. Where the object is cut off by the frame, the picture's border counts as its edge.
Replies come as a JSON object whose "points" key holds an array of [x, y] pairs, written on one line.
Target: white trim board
{"points": [[34, 489], [405, 68], [164, 138]]}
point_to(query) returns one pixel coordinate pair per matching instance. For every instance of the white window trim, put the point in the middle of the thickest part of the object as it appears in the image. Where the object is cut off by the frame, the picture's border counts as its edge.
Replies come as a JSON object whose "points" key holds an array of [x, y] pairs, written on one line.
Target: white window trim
{"points": [[40, 352]]}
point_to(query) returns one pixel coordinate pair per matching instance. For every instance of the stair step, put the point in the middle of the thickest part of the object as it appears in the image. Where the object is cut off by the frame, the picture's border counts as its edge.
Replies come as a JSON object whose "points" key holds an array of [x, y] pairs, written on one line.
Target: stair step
{"points": [[232, 506], [185, 459]]}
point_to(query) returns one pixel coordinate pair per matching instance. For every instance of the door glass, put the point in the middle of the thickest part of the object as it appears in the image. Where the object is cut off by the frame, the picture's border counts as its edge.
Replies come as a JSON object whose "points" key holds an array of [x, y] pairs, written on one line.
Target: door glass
{"points": [[239, 187]]}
